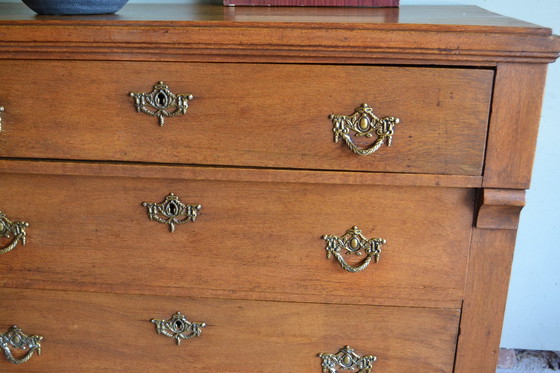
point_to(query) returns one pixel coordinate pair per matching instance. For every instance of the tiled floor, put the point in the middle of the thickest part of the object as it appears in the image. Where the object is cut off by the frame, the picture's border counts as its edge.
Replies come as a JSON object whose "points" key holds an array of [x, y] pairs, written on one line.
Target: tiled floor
{"points": [[533, 370], [525, 361]]}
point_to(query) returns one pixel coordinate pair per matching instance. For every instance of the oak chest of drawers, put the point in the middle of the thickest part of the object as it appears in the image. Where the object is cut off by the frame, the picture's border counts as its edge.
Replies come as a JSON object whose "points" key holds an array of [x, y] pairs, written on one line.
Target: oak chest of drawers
{"points": [[197, 188]]}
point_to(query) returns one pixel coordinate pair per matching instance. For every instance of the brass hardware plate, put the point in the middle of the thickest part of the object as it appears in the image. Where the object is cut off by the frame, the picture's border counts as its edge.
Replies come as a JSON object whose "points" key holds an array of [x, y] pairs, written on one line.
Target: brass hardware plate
{"points": [[161, 102], [16, 339], [352, 243], [347, 359], [171, 210], [364, 123], [178, 327], [14, 230]]}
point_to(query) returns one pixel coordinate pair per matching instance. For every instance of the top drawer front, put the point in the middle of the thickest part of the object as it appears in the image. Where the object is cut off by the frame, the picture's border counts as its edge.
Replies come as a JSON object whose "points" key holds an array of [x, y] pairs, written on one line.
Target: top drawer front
{"points": [[245, 114]]}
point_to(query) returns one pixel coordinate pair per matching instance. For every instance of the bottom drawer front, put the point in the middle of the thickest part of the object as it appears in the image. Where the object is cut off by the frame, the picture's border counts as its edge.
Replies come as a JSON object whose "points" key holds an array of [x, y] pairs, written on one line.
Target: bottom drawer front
{"points": [[111, 332]]}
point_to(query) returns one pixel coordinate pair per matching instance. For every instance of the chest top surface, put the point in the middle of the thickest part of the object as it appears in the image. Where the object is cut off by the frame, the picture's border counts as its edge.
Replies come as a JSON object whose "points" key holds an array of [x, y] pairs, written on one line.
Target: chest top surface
{"points": [[416, 17], [411, 34]]}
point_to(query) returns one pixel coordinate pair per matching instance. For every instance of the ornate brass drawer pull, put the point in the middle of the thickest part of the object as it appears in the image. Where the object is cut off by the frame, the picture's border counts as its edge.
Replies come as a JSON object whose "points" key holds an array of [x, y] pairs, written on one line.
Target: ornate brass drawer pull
{"points": [[161, 102], [178, 327], [1, 110], [15, 338], [364, 123], [170, 210], [347, 359], [352, 242], [10, 229]]}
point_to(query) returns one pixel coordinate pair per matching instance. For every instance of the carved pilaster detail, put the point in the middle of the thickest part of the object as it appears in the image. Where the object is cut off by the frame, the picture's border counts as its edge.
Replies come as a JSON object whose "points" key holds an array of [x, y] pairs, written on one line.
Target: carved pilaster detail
{"points": [[499, 208]]}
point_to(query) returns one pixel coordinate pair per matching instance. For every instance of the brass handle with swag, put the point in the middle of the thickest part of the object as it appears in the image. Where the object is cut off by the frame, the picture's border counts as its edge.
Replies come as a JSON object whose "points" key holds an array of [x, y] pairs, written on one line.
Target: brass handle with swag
{"points": [[178, 327], [161, 102], [352, 243], [346, 359], [16, 339], [10, 229], [364, 123]]}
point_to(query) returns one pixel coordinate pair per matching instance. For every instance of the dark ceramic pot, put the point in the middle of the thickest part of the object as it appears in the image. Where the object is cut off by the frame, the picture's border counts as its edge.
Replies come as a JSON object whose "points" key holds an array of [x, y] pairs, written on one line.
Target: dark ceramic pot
{"points": [[75, 6]]}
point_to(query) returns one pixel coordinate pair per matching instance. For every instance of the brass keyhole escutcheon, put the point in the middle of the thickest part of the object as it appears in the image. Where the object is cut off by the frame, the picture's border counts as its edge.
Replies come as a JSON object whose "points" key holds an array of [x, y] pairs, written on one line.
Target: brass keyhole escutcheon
{"points": [[172, 211], [161, 102], [178, 327], [347, 359]]}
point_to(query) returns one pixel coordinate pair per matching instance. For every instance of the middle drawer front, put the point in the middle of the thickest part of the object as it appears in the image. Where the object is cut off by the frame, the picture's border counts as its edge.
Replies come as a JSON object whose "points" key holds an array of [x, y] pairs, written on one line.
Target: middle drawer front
{"points": [[251, 239], [113, 332]]}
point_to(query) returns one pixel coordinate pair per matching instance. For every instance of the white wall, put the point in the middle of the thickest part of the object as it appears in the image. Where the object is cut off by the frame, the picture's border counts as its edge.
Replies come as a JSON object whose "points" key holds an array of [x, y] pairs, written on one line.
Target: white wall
{"points": [[533, 310], [532, 318]]}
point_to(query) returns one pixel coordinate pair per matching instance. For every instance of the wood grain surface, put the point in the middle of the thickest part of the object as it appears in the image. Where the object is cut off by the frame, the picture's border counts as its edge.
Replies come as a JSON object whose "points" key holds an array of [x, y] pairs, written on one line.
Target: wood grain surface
{"points": [[513, 131], [113, 333], [485, 300], [251, 239], [246, 115]]}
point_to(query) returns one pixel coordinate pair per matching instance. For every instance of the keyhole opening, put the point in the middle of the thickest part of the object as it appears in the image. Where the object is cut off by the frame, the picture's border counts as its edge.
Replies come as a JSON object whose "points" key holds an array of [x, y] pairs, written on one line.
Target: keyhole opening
{"points": [[172, 209], [180, 326], [161, 99]]}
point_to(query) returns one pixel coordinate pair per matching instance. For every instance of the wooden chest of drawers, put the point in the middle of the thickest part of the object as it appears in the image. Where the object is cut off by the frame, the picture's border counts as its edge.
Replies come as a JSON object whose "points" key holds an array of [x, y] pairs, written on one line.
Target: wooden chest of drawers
{"points": [[339, 188]]}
